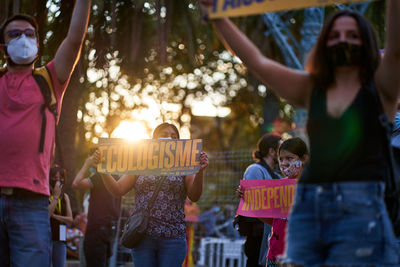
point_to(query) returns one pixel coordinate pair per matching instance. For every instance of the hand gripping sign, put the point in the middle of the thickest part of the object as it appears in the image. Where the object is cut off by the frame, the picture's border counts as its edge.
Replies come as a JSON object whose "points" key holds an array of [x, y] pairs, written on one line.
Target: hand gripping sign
{"points": [[149, 156], [267, 198]]}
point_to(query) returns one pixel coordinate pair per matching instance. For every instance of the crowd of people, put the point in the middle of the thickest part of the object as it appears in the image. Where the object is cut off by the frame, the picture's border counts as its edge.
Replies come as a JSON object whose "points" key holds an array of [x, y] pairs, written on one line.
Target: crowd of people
{"points": [[339, 217]]}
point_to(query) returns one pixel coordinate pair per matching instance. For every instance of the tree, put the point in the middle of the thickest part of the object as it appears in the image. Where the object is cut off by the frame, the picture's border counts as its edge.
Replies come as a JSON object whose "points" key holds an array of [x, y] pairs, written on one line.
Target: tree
{"points": [[159, 50]]}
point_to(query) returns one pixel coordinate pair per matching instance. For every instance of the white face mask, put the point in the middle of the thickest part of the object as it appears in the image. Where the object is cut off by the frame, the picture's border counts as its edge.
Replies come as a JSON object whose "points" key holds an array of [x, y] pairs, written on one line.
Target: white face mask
{"points": [[165, 138], [22, 50]]}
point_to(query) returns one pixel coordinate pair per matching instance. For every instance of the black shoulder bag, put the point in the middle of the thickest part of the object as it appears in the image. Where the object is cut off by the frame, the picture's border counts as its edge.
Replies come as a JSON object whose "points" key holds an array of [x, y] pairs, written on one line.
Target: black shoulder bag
{"points": [[392, 181], [135, 228]]}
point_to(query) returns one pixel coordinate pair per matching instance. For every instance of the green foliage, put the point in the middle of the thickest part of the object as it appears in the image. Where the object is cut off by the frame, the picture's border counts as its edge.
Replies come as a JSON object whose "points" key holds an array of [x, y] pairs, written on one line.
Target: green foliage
{"points": [[137, 50]]}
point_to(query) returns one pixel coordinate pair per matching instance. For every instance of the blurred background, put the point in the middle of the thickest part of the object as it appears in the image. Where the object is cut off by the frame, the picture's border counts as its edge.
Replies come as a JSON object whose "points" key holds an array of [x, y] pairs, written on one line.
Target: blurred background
{"points": [[150, 61]]}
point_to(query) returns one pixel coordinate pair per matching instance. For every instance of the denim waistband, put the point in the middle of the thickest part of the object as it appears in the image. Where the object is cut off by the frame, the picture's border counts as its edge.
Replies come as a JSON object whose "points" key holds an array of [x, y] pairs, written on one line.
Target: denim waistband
{"points": [[367, 189], [12, 192]]}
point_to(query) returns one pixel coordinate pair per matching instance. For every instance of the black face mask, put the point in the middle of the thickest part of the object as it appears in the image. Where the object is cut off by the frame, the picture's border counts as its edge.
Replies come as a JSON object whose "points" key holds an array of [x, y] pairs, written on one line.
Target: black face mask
{"points": [[53, 183], [344, 54], [53, 172]]}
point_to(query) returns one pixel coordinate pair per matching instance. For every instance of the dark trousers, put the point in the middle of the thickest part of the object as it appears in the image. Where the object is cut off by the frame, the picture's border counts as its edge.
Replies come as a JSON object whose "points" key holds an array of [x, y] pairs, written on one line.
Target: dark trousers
{"points": [[253, 244], [97, 246]]}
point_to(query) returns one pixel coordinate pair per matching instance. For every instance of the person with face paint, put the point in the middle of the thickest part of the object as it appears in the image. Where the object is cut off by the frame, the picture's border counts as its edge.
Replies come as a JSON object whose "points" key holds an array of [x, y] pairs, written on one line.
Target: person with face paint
{"points": [[25, 238], [164, 244], [60, 215], [339, 217], [292, 155]]}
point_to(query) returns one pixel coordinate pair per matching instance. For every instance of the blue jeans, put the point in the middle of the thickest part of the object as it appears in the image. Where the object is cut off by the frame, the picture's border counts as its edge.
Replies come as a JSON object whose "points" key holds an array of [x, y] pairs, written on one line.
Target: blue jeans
{"points": [[59, 253], [159, 252], [25, 235], [341, 224]]}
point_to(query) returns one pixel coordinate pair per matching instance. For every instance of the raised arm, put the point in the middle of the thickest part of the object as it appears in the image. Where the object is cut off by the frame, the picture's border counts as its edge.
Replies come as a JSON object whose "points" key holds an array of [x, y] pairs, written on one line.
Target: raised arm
{"points": [[68, 53], [80, 180], [387, 77], [194, 183], [116, 188], [293, 85], [120, 187]]}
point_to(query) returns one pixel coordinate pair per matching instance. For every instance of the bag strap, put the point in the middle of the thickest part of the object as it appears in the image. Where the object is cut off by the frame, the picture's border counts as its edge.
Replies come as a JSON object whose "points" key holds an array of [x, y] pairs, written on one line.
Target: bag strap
{"points": [[44, 81], [51, 102], [391, 181], [269, 169], [396, 131], [154, 196]]}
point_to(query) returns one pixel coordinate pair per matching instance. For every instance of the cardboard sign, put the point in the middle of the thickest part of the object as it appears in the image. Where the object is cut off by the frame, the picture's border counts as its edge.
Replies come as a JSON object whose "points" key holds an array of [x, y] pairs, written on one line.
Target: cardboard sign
{"points": [[150, 156], [267, 198], [232, 8], [63, 232]]}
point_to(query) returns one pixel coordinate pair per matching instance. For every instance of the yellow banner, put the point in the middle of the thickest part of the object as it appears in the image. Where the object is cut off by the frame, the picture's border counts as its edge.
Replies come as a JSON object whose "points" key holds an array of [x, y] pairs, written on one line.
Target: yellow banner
{"points": [[149, 157], [233, 8]]}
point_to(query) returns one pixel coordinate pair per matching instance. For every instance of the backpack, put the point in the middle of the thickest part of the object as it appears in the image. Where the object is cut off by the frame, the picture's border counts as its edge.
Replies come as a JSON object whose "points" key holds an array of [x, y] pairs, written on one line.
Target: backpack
{"points": [[392, 181], [43, 79]]}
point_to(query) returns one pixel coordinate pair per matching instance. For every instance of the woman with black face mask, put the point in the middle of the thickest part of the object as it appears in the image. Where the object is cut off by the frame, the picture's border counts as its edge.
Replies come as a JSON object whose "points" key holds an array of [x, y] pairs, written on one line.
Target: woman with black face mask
{"points": [[339, 217], [60, 215]]}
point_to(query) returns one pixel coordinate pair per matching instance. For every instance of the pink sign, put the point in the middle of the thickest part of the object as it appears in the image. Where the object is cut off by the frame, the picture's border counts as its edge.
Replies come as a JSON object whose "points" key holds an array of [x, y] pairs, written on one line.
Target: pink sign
{"points": [[267, 198]]}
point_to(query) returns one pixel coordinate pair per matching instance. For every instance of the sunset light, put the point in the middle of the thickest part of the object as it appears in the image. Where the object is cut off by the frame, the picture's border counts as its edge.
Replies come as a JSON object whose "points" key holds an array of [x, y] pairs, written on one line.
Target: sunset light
{"points": [[131, 131]]}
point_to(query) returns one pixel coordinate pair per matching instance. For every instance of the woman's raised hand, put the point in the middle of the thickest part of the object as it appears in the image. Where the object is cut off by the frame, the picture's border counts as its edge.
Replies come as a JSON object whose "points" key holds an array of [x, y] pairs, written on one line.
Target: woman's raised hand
{"points": [[95, 158], [203, 160], [57, 190]]}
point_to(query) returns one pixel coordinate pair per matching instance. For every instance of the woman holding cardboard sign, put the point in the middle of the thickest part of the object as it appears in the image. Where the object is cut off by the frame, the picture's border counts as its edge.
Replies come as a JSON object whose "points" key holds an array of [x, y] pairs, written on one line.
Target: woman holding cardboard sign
{"points": [[165, 241], [339, 217]]}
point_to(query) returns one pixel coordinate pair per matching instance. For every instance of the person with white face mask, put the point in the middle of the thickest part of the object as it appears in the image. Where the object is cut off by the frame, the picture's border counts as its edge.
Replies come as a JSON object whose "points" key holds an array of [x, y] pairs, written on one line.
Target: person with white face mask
{"points": [[23, 50], [25, 238]]}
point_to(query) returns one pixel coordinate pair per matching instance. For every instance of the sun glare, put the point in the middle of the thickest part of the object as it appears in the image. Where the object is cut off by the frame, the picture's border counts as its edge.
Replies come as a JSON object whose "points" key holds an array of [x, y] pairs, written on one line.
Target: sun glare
{"points": [[130, 131]]}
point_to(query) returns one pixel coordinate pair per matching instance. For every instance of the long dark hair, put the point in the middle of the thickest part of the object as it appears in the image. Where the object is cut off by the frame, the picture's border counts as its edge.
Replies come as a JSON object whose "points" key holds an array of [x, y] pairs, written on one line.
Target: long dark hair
{"points": [[162, 126], [267, 141], [318, 64], [57, 168], [294, 145]]}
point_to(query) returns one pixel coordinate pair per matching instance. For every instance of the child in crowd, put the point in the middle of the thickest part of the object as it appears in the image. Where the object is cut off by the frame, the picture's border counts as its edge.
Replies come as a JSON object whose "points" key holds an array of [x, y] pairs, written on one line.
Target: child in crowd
{"points": [[292, 155]]}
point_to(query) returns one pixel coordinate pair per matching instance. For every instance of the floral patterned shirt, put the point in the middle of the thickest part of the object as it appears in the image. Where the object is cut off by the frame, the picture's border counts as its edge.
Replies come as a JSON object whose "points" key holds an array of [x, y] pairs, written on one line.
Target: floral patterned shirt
{"points": [[167, 217]]}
